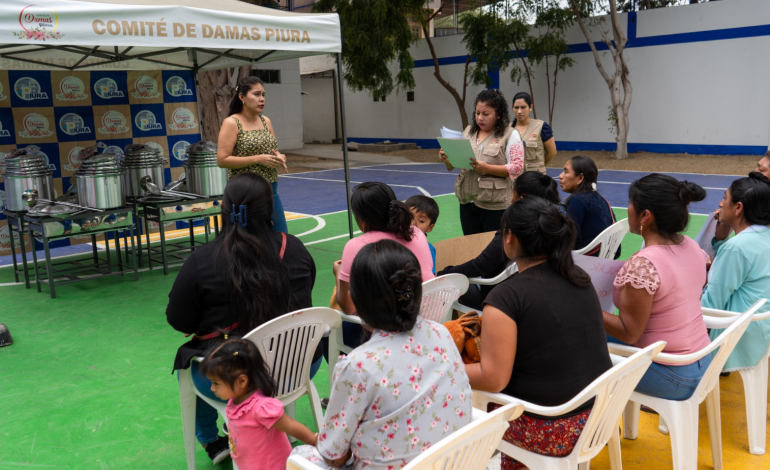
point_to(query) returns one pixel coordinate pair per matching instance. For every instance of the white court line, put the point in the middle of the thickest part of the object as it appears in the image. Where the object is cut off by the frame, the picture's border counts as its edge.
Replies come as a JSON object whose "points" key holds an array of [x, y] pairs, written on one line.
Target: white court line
{"points": [[332, 238], [409, 171], [620, 182], [359, 182]]}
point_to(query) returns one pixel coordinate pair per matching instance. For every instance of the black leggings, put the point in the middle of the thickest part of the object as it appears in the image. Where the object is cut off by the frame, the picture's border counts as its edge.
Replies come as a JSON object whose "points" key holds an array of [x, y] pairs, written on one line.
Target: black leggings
{"points": [[477, 220]]}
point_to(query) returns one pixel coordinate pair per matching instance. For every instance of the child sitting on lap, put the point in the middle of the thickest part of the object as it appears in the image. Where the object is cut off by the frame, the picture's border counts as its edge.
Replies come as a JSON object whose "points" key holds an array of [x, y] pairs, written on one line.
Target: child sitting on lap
{"points": [[424, 216], [256, 421]]}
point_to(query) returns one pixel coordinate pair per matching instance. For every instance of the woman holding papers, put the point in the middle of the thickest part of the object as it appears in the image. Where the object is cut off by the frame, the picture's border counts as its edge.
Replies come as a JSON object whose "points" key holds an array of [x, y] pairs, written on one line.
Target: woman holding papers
{"points": [[740, 274], [485, 190], [537, 135]]}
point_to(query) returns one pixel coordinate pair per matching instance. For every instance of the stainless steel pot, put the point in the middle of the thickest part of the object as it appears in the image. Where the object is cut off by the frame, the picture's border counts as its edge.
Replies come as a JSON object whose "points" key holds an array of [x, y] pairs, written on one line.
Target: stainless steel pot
{"points": [[25, 171], [203, 175], [100, 182], [140, 161]]}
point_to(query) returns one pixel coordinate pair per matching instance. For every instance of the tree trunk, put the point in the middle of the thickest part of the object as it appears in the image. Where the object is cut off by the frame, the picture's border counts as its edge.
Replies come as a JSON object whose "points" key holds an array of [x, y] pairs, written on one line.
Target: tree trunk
{"points": [[529, 79], [437, 73], [215, 95]]}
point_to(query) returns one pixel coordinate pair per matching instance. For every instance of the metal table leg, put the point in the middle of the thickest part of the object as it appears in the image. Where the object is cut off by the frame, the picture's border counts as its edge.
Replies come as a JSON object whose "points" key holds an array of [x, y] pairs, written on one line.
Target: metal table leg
{"points": [[34, 259], [13, 254], [117, 250], [147, 234], [93, 245], [163, 247], [49, 267], [133, 253], [23, 253], [192, 235]]}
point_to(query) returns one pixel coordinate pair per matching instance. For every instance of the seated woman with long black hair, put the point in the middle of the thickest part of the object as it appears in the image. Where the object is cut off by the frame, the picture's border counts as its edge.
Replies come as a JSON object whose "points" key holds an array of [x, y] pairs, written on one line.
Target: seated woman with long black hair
{"points": [[492, 261], [542, 339], [247, 276]]}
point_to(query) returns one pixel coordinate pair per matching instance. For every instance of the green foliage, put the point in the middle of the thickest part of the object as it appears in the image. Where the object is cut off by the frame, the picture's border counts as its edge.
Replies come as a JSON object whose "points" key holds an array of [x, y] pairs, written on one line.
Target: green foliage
{"points": [[552, 22], [375, 33], [612, 118]]}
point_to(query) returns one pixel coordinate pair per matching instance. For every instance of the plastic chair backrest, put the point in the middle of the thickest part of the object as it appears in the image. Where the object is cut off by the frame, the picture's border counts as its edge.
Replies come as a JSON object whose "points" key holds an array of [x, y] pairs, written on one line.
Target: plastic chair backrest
{"points": [[287, 344], [726, 343], [612, 391], [438, 295], [471, 447], [610, 240]]}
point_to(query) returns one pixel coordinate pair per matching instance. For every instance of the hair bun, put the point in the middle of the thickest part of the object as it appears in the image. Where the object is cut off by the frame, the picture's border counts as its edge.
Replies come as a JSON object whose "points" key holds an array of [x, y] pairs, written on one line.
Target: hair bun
{"points": [[689, 192], [545, 180], [759, 177]]}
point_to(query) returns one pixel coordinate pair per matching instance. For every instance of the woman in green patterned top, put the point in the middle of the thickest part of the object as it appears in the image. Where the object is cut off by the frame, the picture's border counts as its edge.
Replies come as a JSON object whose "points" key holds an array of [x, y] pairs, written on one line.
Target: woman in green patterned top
{"points": [[247, 142]]}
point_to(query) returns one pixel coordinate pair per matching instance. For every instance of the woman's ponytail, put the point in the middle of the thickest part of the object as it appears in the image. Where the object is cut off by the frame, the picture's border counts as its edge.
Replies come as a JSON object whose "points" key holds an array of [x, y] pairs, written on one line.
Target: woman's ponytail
{"points": [[376, 205]]}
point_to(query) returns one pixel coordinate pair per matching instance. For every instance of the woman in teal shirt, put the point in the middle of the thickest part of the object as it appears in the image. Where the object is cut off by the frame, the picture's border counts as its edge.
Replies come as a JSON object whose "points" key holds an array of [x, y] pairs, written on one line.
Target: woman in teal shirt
{"points": [[740, 274]]}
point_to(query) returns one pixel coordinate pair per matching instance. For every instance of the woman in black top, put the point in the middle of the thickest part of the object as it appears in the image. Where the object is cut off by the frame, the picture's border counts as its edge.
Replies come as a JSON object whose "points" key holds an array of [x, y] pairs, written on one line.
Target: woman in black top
{"points": [[492, 261], [247, 276], [542, 339]]}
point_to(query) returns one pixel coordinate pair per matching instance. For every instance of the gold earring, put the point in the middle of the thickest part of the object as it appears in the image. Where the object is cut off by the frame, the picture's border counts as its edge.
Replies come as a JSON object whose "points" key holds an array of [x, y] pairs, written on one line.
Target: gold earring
{"points": [[641, 229]]}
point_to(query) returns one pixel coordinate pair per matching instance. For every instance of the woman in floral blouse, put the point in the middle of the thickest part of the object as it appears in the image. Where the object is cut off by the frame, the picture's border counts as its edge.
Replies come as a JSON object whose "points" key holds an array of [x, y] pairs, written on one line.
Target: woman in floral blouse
{"points": [[402, 391]]}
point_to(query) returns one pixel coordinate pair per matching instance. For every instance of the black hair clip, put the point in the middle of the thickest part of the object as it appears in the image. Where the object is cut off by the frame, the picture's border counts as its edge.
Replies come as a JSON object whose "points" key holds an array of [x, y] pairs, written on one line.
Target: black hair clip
{"points": [[404, 295], [239, 216], [392, 208]]}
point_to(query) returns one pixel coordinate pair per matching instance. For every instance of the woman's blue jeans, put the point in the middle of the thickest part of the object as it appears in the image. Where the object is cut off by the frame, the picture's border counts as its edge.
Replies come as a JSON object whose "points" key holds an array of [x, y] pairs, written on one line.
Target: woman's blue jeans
{"points": [[279, 218], [206, 430], [671, 382]]}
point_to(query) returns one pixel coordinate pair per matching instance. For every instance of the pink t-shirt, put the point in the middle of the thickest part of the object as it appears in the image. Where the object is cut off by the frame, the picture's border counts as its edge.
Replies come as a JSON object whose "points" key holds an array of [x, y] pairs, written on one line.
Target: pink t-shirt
{"points": [[417, 245], [675, 276], [254, 444]]}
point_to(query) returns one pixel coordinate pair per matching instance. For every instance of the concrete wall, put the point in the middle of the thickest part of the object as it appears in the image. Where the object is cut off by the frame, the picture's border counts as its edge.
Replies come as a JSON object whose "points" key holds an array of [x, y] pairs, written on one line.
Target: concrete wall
{"points": [[699, 74], [283, 103]]}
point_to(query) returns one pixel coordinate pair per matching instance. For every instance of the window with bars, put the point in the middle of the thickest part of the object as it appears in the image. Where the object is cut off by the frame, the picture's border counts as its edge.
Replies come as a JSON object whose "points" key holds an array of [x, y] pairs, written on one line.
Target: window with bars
{"points": [[268, 76]]}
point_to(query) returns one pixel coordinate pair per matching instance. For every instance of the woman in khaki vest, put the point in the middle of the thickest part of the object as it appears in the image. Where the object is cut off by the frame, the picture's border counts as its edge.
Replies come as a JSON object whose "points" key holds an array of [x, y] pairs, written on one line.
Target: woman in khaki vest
{"points": [[485, 191], [540, 146]]}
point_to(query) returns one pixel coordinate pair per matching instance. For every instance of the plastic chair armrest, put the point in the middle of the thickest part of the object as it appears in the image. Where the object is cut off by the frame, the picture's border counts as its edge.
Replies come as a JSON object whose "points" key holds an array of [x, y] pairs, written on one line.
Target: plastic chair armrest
{"points": [[350, 318], [462, 308], [297, 462], [622, 349], [481, 399], [481, 281]]}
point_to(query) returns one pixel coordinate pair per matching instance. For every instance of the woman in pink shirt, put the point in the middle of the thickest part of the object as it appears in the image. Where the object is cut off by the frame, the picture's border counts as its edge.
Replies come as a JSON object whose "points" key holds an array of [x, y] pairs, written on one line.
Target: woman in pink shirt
{"points": [[381, 217], [658, 290]]}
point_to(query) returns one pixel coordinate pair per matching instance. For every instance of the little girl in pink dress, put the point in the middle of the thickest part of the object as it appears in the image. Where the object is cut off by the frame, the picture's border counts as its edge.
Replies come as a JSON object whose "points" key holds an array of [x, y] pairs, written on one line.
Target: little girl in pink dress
{"points": [[256, 421]]}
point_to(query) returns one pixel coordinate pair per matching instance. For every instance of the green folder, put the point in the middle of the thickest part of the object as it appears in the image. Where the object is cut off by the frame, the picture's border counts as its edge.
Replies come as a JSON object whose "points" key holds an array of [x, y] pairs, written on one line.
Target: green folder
{"points": [[459, 151]]}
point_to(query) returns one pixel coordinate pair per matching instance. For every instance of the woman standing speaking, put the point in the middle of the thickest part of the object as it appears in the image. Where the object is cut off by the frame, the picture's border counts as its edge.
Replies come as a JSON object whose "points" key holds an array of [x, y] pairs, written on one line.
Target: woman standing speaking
{"points": [[539, 144], [485, 191], [247, 142]]}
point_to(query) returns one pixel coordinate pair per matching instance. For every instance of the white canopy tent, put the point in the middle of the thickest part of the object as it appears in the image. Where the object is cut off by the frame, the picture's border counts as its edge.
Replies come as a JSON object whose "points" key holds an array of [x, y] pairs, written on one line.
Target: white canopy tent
{"points": [[196, 35]]}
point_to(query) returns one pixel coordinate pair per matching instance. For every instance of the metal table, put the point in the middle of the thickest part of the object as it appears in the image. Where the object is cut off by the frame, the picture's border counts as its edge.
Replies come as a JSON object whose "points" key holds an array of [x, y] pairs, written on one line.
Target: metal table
{"points": [[16, 225], [179, 211], [89, 223]]}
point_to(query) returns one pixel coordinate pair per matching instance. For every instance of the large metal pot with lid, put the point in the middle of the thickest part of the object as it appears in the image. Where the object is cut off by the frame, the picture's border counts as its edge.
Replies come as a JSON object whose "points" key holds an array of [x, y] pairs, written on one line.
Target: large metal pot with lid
{"points": [[140, 161], [26, 169], [203, 175], [99, 180]]}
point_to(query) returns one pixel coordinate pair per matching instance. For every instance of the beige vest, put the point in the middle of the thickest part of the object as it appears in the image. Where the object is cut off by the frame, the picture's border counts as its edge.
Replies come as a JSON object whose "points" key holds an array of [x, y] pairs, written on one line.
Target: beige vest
{"points": [[534, 149], [486, 191]]}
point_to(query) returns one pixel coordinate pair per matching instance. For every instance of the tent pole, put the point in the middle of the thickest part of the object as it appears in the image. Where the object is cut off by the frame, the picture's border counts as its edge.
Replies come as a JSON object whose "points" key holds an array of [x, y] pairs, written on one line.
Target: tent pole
{"points": [[341, 86]]}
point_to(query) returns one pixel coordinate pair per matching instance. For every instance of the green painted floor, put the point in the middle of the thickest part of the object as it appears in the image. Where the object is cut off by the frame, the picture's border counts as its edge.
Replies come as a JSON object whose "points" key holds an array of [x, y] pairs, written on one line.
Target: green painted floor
{"points": [[87, 383]]}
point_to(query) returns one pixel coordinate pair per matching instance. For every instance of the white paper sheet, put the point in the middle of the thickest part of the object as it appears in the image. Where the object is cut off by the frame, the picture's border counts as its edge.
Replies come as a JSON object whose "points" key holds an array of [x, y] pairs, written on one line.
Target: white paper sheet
{"points": [[450, 134], [602, 272]]}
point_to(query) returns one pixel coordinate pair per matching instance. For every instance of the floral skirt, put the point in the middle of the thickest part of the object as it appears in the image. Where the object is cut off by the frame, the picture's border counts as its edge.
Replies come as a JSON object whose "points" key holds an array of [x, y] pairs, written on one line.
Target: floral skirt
{"points": [[555, 438]]}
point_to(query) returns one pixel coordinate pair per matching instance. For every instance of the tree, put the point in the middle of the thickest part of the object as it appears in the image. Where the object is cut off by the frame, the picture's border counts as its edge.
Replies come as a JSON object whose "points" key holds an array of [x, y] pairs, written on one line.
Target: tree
{"points": [[621, 100]]}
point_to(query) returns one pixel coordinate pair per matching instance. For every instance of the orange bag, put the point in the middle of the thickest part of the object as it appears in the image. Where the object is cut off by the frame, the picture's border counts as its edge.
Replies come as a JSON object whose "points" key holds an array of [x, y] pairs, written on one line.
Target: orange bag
{"points": [[466, 333]]}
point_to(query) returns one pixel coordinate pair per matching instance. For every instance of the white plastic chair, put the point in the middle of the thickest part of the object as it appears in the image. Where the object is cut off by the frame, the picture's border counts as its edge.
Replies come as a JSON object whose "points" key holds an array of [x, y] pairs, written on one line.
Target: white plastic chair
{"points": [[287, 344], [681, 417], [610, 390], [469, 448], [438, 296], [754, 386], [609, 239], [509, 271]]}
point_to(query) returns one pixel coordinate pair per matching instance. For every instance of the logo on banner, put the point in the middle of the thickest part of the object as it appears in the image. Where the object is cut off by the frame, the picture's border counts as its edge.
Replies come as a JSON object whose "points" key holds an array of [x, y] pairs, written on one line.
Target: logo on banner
{"points": [[106, 88], [3, 201], [4, 132], [72, 124], [146, 88], [2, 96], [114, 123], [176, 86], [29, 89], [35, 127], [38, 23], [180, 150], [72, 89], [146, 121], [74, 159], [182, 119], [5, 237]]}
